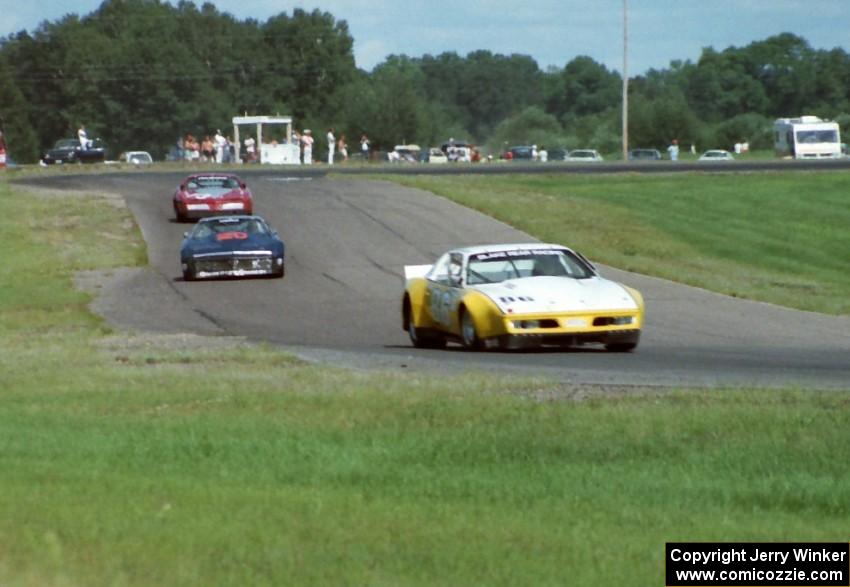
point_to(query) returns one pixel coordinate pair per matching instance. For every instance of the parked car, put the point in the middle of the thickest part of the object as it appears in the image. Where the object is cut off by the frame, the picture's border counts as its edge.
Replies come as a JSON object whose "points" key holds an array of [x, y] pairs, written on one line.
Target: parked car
{"points": [[645, 155], [513, 296], [231, 246], [137, 157], [404, 154], [587, 155], [558, 154], [69, 151], [436, 155], [457, 151], [210, 194], [716, 155]]}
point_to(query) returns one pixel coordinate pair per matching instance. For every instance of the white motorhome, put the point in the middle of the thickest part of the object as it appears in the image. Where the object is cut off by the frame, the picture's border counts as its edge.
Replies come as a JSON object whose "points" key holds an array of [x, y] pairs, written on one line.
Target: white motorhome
{"points": [[807, 137]]}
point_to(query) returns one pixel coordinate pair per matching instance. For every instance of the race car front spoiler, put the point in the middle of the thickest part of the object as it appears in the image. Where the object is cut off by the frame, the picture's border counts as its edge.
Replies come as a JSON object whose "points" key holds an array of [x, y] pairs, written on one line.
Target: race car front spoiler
{"points": [[531, 341], [258, 263]]}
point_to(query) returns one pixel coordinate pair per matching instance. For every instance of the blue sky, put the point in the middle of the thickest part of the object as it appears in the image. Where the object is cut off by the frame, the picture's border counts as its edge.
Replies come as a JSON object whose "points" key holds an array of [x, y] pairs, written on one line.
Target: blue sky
{"points": [[553, 32]]}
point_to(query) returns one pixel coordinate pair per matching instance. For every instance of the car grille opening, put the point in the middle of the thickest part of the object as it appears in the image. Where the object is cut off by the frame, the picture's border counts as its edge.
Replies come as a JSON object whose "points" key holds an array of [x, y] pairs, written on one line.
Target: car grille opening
{"points": [[612, 320], [529, 324], [235, 265]]}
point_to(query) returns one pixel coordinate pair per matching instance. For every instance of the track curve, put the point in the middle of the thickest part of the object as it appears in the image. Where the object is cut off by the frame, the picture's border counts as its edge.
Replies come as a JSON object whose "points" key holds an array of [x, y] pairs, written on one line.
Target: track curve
{"points": [[347, 241]]}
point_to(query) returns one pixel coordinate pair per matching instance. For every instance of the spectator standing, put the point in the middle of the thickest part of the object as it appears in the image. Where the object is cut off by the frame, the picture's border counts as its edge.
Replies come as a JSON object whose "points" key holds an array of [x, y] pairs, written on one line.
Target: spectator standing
{"points": [[342, 147], [83, 137], [307, 144], [331, 146], [192, 148], [251, 148], [2, 146], [543, 154], [364, 147], [673, 150], [207, 149], [220, 146]]}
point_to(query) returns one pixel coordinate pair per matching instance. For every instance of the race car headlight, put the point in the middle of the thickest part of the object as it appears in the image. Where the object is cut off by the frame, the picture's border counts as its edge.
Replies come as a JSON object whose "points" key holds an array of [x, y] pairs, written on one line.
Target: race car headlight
{"points": [[525, 324]]}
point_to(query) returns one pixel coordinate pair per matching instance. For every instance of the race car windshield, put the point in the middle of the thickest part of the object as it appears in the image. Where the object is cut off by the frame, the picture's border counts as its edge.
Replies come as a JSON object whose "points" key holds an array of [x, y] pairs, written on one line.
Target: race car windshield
{"points": [[206, 182], [503, 265], [247, 225]]}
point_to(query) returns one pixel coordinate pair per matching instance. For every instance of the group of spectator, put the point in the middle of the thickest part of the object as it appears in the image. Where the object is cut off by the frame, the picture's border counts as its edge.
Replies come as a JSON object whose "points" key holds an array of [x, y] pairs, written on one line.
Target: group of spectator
{"points": [[306, 142], [215, 149], [221, 149]]}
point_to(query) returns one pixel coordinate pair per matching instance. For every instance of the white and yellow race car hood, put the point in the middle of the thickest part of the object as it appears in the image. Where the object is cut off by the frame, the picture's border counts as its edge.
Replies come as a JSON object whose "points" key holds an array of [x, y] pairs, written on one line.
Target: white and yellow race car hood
{"points": [[532, 295]]}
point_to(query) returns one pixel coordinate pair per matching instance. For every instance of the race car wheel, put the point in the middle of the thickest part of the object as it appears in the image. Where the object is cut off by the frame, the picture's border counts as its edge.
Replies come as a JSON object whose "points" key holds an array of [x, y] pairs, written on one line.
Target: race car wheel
{"points": [[424, 340], [189, 274], [468, 334], [420, 337]]}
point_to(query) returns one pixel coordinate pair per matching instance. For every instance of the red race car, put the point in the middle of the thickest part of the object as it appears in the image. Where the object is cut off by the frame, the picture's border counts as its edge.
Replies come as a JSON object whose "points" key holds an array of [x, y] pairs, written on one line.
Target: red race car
{"points": [[210, 194]]}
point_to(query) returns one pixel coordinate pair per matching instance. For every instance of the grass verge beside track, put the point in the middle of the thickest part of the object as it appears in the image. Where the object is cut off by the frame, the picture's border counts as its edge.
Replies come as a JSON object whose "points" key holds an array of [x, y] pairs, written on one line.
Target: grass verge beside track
{"points": [[779, 237], [129, 460]]}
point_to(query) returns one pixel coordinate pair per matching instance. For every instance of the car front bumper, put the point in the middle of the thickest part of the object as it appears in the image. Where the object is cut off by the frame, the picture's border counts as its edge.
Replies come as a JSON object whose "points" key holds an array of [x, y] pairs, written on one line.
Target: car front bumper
{"points": [[234, 265]]}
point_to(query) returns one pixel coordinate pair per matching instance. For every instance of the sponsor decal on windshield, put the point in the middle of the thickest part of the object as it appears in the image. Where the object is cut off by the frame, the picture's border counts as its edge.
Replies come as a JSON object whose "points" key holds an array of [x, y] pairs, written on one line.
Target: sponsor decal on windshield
{"points": [[514, 254], [235, 235]]}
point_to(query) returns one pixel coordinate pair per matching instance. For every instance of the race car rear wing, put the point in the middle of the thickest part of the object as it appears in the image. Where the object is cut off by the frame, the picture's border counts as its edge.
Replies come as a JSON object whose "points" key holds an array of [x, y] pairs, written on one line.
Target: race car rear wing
{"points": [[411, 271]]}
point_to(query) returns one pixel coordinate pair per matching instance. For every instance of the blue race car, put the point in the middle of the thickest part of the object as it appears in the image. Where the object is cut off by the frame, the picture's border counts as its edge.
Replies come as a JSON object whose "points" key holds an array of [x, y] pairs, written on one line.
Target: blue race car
{"points": [[231, 246]]}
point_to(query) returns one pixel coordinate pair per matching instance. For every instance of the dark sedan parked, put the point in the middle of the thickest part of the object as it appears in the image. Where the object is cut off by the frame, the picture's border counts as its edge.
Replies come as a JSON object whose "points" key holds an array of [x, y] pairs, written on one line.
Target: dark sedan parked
{"points": [[645, 155], [69, 151]]}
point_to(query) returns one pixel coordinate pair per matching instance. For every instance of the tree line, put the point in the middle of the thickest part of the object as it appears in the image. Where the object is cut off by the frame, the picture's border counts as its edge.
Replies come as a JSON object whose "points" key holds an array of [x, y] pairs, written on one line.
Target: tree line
{"points": [[140, 73]]}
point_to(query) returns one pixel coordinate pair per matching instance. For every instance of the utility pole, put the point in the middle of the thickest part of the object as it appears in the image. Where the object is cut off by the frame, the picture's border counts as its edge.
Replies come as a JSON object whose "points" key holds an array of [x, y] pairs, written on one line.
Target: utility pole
{"points": [[625, 79]]}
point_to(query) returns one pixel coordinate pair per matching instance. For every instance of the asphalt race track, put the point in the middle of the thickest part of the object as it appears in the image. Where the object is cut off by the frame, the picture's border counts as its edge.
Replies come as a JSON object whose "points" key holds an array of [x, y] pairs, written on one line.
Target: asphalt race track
{"points": [[347, 242]]}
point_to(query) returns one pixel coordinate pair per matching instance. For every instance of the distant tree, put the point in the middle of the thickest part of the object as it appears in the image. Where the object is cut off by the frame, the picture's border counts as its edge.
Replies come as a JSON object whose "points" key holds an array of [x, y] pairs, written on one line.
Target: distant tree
{"points": [[656, 122], [531, 126], [755, 129], [400, 105], [481, 90], [782, 64], [720, 87], [308, 57], [21, 143], [583, 87]]}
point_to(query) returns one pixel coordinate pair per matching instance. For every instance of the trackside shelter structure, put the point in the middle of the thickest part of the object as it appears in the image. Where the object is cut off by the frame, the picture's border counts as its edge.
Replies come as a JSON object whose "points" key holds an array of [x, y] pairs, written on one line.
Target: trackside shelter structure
{"points": [[273, 152]]}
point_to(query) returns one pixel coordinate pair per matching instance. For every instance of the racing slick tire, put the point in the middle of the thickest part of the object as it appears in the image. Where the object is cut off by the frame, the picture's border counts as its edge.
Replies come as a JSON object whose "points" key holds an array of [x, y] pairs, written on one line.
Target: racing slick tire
{"points": [[421, 338], [424, 339], [468, 334], [180, 217]]}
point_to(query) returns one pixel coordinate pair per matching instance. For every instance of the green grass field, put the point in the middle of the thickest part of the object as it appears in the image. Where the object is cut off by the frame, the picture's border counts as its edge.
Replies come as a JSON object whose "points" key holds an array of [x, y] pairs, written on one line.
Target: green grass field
{"points": [[131, 461], [776, 237]]}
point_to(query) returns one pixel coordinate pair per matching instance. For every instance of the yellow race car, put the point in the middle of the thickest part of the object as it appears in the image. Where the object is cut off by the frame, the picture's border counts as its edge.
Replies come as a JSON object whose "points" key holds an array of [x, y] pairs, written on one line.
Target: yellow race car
{"points": [[518, 296]]}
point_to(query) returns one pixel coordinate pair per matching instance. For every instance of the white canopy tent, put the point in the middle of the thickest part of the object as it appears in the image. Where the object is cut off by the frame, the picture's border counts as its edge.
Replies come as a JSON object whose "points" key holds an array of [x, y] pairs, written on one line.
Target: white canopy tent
{"points": [[275, 152]]}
